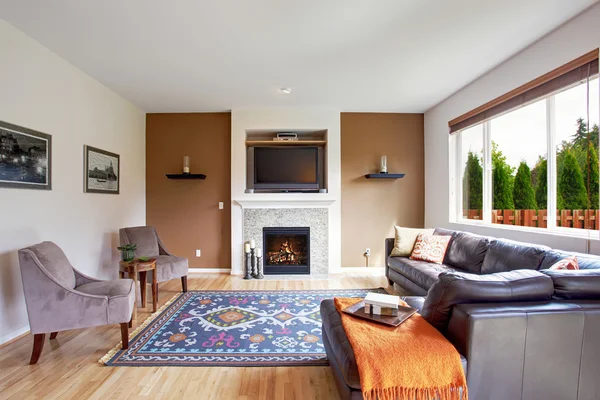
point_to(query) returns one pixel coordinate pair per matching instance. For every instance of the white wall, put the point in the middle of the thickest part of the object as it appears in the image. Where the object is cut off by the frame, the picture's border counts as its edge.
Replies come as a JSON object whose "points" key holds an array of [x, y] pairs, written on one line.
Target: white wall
{"points": [[41, 91], [577, 37], [286, 119]]}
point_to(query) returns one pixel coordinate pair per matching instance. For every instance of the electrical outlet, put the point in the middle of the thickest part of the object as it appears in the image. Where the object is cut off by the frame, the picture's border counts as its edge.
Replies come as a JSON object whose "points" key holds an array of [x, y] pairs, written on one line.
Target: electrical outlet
{"points": [[367, 252], [221, 205], [198, 253]]}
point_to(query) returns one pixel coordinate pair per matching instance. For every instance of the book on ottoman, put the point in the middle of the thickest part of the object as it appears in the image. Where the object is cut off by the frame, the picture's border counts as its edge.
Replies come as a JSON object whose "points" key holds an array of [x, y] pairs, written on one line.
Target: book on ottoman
{"points": [[381, 304]]}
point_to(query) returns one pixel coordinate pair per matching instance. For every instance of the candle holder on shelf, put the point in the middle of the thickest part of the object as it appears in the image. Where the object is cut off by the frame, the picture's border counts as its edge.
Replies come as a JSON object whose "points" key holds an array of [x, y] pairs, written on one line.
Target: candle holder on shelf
{"points": [[248, 271]]}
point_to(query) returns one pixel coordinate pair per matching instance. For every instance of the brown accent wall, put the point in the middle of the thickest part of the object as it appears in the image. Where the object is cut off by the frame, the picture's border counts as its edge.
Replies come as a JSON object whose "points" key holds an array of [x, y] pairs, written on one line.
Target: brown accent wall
{"points": [[371, 208], [186, 212]]}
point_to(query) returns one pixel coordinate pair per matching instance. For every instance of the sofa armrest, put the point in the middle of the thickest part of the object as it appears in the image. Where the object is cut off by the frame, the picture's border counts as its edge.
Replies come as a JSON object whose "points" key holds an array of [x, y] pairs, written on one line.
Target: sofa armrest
{"points": [[389, 245], [414, 301]]}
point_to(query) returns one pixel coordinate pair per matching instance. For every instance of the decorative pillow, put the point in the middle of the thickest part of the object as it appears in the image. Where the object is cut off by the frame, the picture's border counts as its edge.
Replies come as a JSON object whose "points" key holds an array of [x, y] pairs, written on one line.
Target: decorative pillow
{"points": [[405, 240], [430, 248], [569, 263]]}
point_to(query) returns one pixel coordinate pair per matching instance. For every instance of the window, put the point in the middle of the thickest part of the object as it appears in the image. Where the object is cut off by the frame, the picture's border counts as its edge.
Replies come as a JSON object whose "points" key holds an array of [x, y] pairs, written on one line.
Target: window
{"points": [[530, 158], [472, 173]]}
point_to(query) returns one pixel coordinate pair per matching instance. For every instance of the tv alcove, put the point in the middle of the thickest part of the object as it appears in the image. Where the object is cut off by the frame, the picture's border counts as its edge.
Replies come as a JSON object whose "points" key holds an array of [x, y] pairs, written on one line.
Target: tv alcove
{"points": [[286, 166]]}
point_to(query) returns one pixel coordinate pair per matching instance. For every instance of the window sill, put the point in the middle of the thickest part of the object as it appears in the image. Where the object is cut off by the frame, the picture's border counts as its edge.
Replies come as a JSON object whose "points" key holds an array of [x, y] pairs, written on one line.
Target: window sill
{"points": [[564, 232]]}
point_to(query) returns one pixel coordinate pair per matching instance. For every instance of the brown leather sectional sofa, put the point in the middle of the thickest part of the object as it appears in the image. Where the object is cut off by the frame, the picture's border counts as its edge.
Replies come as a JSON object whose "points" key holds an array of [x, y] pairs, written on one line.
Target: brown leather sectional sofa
{"points": [[523, 332]]}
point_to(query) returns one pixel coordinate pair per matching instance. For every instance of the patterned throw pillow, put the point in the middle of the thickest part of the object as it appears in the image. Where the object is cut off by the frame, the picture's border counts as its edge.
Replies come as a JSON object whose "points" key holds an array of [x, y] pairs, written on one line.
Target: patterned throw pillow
{"points": [[569, 263], [430, 248], [404, 240]]}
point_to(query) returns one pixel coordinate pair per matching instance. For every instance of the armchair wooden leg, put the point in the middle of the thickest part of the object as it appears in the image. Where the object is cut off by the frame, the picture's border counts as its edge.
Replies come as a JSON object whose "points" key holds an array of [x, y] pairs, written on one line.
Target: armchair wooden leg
{"points": [[184, 283], [125, 335], [53, 335], [38, 345]]}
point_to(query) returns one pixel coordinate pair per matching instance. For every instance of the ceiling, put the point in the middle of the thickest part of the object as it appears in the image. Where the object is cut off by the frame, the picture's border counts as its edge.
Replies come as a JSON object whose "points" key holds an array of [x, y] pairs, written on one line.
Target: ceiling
{"points": [[353, 55]]}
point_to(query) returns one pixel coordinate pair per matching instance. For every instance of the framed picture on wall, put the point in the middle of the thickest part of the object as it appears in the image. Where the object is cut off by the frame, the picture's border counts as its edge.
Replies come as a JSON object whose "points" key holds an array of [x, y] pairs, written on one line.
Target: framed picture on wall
{"points": [[25, 158], [102, 171]]}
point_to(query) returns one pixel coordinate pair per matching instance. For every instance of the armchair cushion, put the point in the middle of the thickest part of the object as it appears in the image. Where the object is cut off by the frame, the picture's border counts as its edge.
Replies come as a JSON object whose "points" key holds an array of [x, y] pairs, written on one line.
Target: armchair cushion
{"points": [[170, 267], [144, 237], [56, 263]]}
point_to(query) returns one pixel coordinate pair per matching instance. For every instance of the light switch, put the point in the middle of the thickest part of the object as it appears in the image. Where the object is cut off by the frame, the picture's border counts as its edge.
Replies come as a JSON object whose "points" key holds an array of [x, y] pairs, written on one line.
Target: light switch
{"points": [[198, 253], [221, 205]]}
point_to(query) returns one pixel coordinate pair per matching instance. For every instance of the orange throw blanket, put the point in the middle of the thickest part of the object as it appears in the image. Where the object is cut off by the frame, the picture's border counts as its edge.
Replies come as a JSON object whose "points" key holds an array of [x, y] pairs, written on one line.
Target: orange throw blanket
{"points": [[413, 361]]}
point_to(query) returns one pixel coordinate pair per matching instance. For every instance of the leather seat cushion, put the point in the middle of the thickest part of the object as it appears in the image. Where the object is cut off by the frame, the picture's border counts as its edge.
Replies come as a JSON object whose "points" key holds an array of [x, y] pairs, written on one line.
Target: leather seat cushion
{"points": [[170, 267], [342, 354], [422, 273], [506, 255], [114, 288]]}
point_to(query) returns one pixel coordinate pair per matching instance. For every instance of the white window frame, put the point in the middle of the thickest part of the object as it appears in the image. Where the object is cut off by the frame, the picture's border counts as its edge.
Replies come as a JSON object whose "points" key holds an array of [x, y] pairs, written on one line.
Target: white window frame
{"points": [[486, 220]]}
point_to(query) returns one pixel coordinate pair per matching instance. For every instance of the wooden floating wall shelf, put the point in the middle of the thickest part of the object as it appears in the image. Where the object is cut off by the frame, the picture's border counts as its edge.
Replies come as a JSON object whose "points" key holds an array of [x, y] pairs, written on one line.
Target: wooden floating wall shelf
{"points": [[186, 176], [252, 143], [384, 176]]}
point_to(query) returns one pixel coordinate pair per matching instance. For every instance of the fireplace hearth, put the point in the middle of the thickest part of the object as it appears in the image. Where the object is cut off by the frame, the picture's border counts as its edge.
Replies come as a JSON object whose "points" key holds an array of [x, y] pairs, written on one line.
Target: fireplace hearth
{"points": [[286, 251]]}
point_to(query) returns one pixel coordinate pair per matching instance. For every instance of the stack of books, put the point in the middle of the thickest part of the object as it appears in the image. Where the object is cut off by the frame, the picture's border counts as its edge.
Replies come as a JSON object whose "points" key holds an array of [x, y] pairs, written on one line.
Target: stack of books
{"points": [[381, 304]]}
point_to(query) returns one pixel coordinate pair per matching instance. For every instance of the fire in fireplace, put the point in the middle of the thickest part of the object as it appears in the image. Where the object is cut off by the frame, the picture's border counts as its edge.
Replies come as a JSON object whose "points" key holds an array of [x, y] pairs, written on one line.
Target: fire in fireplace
{"points": [[286, 250]]}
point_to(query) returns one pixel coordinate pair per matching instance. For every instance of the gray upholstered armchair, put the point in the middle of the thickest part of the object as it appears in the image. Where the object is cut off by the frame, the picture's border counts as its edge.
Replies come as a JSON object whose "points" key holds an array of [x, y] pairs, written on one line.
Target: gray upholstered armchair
{"points": [[149, 244], [59, 297]]}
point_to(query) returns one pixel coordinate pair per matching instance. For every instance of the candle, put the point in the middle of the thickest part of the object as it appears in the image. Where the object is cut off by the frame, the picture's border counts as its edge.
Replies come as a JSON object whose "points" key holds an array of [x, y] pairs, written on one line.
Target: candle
{"points": [[186, 164], [259, 252], [252, 244], [247, 248]]}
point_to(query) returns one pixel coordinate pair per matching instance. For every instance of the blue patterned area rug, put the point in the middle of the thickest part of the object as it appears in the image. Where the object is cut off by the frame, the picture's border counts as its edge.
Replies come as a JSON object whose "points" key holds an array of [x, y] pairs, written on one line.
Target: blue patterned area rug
{"points": [[232, 328]]}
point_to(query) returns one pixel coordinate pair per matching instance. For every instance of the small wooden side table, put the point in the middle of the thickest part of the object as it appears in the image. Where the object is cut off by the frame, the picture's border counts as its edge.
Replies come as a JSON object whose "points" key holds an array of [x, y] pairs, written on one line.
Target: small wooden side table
{"points": [[131, 269]]}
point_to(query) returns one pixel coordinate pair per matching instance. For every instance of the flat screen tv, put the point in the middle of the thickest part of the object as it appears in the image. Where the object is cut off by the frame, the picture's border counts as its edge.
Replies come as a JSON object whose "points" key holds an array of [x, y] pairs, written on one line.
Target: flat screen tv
{"points": [[286, 168]]}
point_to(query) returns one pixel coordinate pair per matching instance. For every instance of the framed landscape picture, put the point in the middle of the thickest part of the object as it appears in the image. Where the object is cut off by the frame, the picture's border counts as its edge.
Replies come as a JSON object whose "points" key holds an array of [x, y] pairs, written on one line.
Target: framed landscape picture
{"points": [[101, 171], [25, 158]]}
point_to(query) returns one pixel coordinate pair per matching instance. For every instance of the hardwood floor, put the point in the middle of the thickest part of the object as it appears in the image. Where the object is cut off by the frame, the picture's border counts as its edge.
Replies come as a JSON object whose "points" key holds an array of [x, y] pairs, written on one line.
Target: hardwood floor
{"points": [[68, 367]]}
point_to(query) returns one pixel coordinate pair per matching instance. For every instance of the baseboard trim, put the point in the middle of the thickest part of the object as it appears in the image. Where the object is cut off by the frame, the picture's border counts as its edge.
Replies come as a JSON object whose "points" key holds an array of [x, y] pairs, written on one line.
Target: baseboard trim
{"points": [[210, 270], [364, 270], [14, 336]]}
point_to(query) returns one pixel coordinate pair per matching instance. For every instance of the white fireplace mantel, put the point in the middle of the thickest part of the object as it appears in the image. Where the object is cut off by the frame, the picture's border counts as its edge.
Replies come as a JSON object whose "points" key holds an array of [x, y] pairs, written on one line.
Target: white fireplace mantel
{"points": [[285, 200]]}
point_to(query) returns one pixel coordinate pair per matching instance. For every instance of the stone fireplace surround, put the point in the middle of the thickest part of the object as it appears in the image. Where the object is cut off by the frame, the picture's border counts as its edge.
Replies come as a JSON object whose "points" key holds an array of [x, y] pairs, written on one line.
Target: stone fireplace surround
{"points": [[317, 219]]}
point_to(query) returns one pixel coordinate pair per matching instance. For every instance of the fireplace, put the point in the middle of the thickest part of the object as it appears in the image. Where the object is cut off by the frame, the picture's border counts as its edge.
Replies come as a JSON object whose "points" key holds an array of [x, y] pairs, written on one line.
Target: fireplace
{"points": [[286, 251]]}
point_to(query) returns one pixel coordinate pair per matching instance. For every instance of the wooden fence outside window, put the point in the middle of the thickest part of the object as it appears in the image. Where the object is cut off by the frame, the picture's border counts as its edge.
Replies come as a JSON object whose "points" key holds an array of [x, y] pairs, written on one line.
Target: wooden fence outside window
{"points": [[579, 219]]}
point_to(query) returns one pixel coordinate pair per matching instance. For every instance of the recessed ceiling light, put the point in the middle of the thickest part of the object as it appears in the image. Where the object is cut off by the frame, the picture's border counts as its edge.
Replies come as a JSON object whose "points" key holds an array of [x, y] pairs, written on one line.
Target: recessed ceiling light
{"points": [[285, 90]]}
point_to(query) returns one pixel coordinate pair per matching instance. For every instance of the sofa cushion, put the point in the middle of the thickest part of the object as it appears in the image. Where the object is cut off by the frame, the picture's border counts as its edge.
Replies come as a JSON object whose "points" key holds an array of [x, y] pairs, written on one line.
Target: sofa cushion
{"points": [[405, 240], [585, 261], [506, 255], [430, 248], [466, 252], [569, 263], [575, 284], [422, 273], [454, 288]]}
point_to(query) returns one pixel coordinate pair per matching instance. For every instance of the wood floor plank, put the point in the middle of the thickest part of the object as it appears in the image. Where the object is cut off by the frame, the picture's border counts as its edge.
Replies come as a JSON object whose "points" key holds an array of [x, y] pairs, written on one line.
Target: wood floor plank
{"points": [[68, 367]]}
